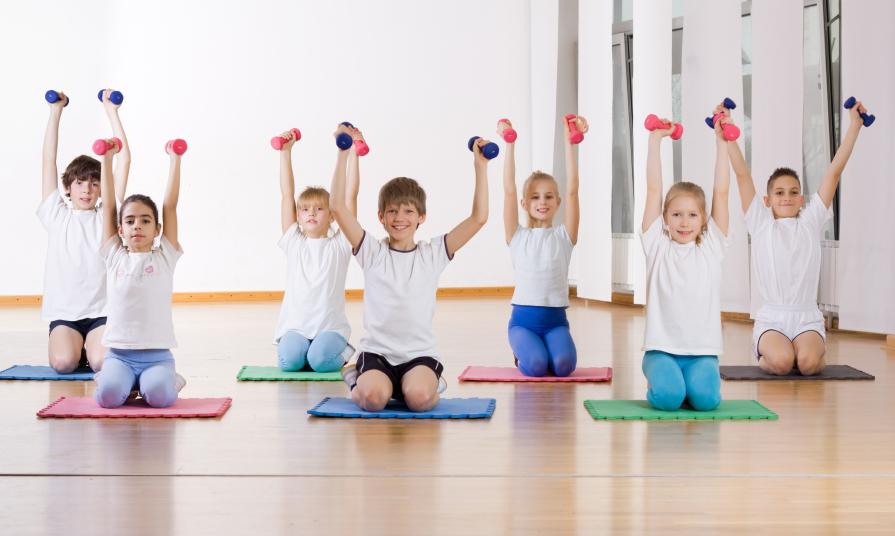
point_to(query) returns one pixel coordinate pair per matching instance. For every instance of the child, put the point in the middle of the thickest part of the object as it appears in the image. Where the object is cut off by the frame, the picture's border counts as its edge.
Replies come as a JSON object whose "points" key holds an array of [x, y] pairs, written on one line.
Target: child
{"points": [[140, 332], [684, 249], [789, 328], [74, 298], [538, 329], [312, 328], [398, 358]]}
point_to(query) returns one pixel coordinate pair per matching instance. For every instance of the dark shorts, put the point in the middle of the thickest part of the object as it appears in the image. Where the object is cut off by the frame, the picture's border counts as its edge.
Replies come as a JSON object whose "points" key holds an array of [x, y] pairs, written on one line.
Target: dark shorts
{"points": [[83, 326], [370, 361]]}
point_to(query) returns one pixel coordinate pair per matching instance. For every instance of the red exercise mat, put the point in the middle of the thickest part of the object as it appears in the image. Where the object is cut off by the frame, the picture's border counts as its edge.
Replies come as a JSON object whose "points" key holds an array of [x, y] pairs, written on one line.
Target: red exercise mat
{"points": [[86, 407], [474, 373]]}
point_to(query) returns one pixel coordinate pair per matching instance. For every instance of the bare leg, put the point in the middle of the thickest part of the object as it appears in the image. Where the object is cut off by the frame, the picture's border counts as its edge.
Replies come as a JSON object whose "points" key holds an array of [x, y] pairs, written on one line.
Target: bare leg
{"points": [[96, 352], [420, 388], [777, 355], [810, 351], [373, 390], [64, 349]]}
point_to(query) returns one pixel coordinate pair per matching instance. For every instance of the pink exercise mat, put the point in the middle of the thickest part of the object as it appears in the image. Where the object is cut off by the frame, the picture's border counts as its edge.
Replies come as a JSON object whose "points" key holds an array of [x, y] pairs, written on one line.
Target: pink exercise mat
{"points": [[86, 407], [474, 373]]}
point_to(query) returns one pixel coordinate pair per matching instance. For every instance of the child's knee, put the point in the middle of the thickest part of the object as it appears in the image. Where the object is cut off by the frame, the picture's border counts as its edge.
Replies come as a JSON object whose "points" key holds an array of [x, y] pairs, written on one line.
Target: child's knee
{"points": [[533, 366], [564, 363], [110, 395], [292, 351], [64, 362], [420, 398], [370, 399], [160, 393], [704, 398], [779, 364], [810, 362], [325, 352], [667, 397]]}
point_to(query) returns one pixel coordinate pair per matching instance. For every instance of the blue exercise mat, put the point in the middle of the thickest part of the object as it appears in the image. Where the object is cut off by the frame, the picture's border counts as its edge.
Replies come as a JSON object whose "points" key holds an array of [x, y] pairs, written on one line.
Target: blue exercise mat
{"points": [[447, 408], [33, 372]]}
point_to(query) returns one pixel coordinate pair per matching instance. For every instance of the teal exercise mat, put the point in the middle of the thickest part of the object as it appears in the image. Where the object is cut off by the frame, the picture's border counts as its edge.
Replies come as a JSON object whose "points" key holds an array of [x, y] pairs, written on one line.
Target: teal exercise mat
{"points": [[829, 372], [40, 373], [274, 374], [641, 410]]}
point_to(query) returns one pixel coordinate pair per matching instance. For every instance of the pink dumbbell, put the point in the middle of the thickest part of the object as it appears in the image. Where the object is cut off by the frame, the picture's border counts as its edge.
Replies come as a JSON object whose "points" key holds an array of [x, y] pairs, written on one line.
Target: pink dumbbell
{"points": [[101, 147], [277, 142], [728, 130], [176, 146], [575, 135], [652, 122], [361, 147], [509, 134]]}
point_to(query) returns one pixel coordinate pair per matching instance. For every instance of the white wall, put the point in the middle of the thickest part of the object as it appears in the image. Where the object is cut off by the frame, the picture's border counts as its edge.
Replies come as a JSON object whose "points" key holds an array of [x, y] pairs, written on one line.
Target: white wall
{"points": [[418, 77]]}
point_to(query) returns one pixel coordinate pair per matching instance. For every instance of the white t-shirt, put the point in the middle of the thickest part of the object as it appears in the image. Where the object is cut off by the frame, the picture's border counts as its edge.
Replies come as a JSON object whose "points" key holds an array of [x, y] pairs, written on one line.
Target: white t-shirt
{"points": [[786, 252], [683, 292], [315, 284], [399, 297], [140, 286], [74, 277], [541, 265]]}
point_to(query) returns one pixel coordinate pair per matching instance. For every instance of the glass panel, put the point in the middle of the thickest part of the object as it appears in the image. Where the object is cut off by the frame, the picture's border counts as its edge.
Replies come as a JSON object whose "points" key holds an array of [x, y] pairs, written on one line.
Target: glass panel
{"points": [[747, 87], [623, 10], [835, 89], [676, 51], [622, 173], [815, 157]]}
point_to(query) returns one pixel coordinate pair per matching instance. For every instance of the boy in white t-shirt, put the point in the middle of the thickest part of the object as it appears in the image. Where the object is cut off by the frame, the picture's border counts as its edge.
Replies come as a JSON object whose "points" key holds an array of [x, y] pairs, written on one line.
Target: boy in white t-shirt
{"points": [[140, 332], [312, 330], [789, 328], [538, 329], [74, 297], [684, 249], [398, 357]]}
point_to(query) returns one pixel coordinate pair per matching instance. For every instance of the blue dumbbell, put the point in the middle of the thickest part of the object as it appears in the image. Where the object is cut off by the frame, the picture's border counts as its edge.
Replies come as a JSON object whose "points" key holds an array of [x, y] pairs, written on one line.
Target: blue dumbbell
{"points": [[868, 118], [53, 96], [489, 151], [729, 104], [115, 96], [343, 140]]}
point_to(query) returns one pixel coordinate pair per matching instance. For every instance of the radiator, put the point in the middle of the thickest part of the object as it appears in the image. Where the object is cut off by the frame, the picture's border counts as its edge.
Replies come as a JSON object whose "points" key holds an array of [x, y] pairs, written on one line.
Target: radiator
{"points": [[827, 293], [622, 267]]}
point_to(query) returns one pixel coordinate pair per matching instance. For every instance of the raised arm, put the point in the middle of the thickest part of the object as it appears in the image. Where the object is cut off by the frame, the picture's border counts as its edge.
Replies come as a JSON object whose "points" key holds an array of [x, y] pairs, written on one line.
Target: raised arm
{"points": [[169, 206], [353, 185], [466, 229], [287, 182], [51, 144], [572, 212], [830, 181], [721, 189], [653, 207], [107, 192], [510, 201], [337, 194], [123, 161]]}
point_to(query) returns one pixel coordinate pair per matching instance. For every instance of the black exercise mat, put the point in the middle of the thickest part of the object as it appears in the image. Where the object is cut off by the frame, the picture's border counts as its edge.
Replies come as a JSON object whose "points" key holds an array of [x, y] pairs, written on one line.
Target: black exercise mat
{"points": [[830, 372]]}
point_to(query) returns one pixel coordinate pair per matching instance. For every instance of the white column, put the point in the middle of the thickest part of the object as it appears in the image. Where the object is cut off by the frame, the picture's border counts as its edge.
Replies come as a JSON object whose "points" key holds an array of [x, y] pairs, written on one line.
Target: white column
{"points": [[777, 94], [651, 93], [595, 153], [544, 66], [711, 69], [867, 219]]}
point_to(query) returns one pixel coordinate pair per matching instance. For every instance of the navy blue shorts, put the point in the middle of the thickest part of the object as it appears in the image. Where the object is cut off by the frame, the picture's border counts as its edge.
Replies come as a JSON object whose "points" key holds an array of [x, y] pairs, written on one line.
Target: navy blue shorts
{"points": [[83, 326], [370, 361]]}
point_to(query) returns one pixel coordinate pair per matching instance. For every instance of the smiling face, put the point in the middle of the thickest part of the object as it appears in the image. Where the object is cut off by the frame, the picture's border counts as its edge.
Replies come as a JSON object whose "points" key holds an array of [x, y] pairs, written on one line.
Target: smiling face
{"points": [[784, 196], [540, 200], [401, 222], [84, 193], [138, 226], [684, 218]]}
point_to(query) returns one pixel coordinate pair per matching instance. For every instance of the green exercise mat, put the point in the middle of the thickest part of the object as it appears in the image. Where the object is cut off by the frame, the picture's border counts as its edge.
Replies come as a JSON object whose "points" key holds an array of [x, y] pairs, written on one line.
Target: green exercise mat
{"points": [[249, 373], [640, 410]]}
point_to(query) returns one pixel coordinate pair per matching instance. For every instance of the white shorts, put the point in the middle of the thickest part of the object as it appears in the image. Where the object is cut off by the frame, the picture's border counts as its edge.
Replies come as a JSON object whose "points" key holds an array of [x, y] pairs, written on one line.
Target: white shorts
{"points": [[789, 320]]}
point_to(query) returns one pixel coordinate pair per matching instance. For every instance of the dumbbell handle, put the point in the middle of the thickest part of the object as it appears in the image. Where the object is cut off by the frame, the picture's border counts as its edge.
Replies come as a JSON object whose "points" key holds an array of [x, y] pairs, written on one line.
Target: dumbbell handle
{"points": [[176, 146], [730, 132], [101, 147], [652, 122], [508, 134], [116, 97], [867, 119], [344, 141], [575, 135], [53, 96], [489, 150], [277, 142]]}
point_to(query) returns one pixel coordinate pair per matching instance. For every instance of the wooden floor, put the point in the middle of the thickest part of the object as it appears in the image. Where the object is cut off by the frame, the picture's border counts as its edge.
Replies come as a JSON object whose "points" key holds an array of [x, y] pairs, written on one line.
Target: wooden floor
{"points": [[541, 465]]}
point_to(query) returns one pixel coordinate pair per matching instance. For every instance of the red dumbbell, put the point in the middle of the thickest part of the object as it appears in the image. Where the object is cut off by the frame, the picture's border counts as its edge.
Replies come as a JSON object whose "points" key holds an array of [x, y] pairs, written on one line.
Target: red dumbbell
{"points": [[101, 147], [176, 146], [575, 135], [652, 122], [277, 142], [509, 133]]}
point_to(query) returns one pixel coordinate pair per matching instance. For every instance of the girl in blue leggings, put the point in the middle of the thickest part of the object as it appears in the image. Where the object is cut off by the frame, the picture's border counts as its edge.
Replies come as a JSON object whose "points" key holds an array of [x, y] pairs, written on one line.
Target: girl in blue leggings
{"points": [[684, 249], [538, 330]]}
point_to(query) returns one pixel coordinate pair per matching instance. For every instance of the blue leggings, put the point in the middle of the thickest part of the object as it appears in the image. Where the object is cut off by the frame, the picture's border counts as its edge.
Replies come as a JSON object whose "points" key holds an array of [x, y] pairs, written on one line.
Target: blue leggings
{"points": [[152, 371], [540, 339], [673, 378], [323, 353]]}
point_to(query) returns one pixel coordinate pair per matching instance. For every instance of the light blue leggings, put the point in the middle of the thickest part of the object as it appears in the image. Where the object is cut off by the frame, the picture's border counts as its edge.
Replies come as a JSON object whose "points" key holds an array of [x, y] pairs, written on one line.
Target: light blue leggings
{"points": [[674, 378], [323, 353], [152, 371]]}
